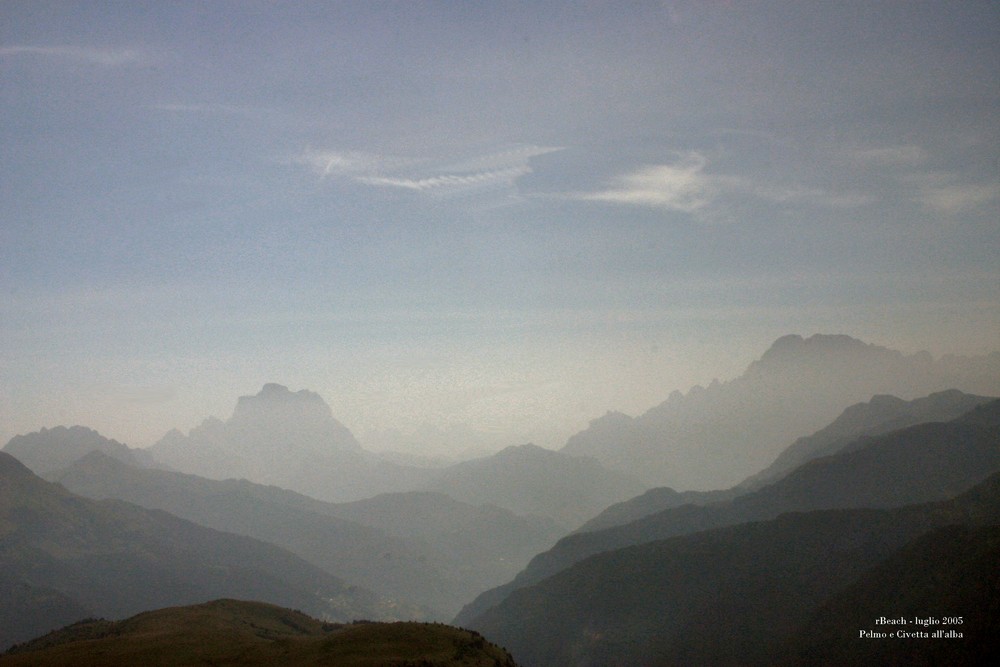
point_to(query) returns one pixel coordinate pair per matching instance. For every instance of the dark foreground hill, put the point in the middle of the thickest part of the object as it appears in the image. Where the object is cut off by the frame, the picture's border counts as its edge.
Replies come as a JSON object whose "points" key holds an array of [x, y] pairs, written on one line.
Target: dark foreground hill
{"points": [[62, 554], [738, 595], [230, 632], [945, 585]]}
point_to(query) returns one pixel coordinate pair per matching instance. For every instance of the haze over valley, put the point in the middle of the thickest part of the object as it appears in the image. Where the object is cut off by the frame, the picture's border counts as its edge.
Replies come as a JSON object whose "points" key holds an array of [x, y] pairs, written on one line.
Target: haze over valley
{"points": [[300, 501], [663, 332]]}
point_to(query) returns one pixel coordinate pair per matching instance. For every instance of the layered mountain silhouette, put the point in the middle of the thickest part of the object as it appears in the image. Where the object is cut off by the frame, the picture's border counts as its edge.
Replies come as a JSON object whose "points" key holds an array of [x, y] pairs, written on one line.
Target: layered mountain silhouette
{"points": [[288, 439], [917, 464], [234, 632], [291, 440], [879, 415], [472, 543], [528, 479], [63, 554], [425, 552], [56, 448], [743, 595], [713, 437], [524, 479]]}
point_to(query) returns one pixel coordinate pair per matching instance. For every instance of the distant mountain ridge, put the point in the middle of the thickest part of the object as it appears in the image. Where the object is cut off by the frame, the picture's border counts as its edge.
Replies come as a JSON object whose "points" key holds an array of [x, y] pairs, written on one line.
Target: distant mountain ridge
{"points": [[529, 479], [883, 413], [56, 448], [880, 415], [714, 437], [291, 440]]}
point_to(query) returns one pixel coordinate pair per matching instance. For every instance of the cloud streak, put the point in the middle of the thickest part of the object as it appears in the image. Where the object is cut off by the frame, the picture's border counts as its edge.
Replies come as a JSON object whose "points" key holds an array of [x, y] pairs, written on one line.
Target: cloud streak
{"points": [[672, 187], [685, 186], [498, 170]]}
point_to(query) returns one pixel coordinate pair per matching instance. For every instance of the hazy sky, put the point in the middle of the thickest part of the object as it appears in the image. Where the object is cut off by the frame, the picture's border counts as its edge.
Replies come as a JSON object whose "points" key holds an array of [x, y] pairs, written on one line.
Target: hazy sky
{"points": [[511, 215]]}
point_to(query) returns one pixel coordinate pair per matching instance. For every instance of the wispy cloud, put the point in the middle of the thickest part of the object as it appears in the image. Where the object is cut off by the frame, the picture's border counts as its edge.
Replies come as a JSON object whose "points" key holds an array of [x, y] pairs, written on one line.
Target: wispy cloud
{"points": [[105, 56], [433, 177], [682, 186], [686, 186], [354, 165], [450, 183]]}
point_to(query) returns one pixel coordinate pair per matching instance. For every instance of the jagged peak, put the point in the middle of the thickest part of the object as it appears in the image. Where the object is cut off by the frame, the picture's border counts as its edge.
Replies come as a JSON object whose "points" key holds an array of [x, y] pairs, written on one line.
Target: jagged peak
{"points": [[275, 391], [794, 343], [276, 396], [518, 450]]}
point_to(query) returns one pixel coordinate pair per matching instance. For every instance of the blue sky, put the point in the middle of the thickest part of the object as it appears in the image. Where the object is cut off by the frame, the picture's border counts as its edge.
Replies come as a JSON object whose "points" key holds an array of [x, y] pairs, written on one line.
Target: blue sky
{"points": [[514, 216]]}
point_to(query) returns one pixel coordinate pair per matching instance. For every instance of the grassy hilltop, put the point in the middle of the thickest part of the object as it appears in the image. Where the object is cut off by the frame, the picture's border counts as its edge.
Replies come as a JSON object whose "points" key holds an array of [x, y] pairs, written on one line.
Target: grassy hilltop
{"points": [[231, 632]]}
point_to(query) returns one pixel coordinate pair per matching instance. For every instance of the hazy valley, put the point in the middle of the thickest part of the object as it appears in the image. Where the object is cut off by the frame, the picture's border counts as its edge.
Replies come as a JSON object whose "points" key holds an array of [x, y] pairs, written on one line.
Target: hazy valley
{"points": [[839, 458]]}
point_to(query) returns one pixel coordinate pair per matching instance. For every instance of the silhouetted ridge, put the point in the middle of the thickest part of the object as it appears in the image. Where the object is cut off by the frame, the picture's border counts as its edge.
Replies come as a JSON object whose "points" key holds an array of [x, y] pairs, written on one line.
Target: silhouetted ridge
{"points": [[55, 448], [11, 468], [883, 413], [289, 439], [425, 552], [58, 549], [734, 595], [951, 569], [713, 437], [920, 463]]}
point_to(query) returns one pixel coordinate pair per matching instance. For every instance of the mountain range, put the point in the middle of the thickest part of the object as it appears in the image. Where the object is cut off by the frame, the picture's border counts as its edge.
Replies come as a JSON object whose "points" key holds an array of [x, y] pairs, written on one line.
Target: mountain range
{"points": [[52, 449], [287, 439], [921, 463], [883, 413], [281, 503], [291, 440], [713, 437], [424, 552]]}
